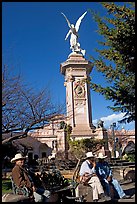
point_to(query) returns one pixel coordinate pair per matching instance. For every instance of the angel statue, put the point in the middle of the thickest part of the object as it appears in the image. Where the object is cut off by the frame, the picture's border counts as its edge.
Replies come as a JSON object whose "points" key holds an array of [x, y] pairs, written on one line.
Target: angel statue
{"points": [[74, 45]]}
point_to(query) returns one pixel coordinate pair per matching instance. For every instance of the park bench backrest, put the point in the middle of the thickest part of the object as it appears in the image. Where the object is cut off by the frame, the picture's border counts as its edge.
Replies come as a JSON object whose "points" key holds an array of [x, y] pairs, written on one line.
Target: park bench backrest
{"points": [[17, 190]]}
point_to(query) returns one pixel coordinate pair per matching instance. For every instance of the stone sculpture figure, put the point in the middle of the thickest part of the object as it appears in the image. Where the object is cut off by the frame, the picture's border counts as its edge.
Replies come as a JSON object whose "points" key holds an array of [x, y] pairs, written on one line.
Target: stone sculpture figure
{"points": [[100, 124], [74, 44]]}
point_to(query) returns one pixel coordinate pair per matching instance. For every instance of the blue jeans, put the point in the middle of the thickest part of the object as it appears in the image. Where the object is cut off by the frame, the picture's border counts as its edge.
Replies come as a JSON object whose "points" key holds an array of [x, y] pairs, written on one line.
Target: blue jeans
{"points": [[116, 186]]}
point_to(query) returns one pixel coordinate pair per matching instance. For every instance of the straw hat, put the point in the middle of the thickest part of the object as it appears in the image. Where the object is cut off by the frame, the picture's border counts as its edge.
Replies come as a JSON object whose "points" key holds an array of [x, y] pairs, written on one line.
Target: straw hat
{"points": [[89, 155], [17, 157], [101, 156]]}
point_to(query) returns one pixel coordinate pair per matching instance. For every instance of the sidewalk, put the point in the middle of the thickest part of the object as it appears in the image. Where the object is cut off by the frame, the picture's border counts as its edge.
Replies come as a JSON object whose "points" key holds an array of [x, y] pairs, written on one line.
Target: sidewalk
{"points": [[128, 187]]}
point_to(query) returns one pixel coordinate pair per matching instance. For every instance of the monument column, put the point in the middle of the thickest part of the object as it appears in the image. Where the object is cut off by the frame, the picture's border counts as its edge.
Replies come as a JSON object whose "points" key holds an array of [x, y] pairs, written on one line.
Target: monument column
{"points": [[76, 70]]}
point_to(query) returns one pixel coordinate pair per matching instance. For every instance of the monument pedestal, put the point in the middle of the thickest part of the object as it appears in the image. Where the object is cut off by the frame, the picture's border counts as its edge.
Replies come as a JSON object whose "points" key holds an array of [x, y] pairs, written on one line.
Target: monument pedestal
{"points": [[76, 70], [82, 131], [79, 115]]}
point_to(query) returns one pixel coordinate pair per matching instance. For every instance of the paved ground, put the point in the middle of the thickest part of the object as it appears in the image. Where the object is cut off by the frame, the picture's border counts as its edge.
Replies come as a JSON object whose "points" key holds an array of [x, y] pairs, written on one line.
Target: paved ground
{"points": [[128, 187]]}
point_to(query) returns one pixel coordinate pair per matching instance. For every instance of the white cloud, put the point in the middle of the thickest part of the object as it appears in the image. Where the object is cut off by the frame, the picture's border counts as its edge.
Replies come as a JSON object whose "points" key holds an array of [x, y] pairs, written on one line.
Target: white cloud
{"points": [[114, 118]]}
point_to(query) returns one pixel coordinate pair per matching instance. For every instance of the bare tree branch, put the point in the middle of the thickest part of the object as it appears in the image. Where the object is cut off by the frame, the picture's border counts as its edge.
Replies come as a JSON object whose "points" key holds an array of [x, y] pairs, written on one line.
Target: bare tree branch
{"points": [[24, 108]]}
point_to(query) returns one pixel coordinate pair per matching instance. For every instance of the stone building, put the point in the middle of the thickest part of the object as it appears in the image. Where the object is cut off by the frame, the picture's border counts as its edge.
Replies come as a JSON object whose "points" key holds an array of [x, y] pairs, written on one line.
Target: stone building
{"points": [[120, 136], [52, 135], [28, 145]]}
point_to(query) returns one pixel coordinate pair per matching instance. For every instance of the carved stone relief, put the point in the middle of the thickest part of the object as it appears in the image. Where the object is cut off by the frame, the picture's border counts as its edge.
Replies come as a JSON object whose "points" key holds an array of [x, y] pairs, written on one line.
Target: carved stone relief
{"points": [[79, 89]]}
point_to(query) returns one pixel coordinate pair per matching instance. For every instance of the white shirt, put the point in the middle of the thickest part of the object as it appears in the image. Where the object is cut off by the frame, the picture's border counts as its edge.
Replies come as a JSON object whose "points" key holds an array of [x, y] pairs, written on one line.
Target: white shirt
{"points": [[86, 167]]}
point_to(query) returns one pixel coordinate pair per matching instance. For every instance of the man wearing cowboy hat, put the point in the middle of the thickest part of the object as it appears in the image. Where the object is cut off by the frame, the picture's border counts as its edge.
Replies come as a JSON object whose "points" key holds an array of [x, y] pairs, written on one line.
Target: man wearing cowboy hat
{"points": [[104, 173], [88, 175], [21, 178]]}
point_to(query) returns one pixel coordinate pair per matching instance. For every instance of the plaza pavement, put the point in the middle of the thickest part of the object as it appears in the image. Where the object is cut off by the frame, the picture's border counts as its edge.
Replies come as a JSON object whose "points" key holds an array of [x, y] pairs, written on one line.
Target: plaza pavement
{"points": [[127, 186]]}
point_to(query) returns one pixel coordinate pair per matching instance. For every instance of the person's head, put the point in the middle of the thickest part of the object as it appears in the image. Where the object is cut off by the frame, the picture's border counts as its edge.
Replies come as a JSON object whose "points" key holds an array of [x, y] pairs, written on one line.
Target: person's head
{"points": [[72, 25], [101, 157], [90, 157], [18, 159]]}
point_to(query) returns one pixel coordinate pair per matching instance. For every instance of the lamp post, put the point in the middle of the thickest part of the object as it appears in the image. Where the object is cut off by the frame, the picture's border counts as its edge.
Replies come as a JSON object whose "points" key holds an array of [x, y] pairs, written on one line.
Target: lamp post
{"points": [[113, 136]]}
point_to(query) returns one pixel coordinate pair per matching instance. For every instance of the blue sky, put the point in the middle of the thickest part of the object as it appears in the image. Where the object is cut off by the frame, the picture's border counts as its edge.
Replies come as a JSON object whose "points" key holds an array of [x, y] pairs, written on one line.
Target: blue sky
{"points": [[33, 43]]}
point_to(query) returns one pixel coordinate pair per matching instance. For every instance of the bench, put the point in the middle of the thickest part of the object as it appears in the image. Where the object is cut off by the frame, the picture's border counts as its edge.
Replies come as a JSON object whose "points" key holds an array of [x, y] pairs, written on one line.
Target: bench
{"points": [[123, 168], [19, 191], [84, 191], [9, 197]]}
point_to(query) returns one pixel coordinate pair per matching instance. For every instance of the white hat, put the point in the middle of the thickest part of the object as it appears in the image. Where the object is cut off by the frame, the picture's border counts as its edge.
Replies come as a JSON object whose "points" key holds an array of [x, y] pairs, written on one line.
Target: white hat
{"points": [[17, 157], [101, 156], [89, 154]]}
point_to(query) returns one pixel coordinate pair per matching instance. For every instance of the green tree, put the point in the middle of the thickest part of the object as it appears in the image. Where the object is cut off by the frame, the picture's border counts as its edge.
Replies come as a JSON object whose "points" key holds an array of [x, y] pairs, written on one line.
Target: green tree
{"points": [[79, 147], [116, 58]]}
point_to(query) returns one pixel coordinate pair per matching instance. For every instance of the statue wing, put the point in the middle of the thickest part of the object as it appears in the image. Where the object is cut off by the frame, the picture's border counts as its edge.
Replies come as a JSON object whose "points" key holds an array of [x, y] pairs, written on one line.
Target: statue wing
{"points": [[79, 22], [69, 24]]}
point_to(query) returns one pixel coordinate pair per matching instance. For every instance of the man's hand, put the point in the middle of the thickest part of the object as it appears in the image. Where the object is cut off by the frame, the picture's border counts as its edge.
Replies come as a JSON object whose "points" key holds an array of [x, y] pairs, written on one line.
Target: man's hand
{"points": [[86, 174], [94, 174], [94, 164], [34, 188], [109, 178]]}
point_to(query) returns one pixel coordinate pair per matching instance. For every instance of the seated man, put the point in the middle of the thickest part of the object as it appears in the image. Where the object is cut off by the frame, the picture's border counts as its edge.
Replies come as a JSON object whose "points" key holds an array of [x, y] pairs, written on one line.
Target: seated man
{"points": [[104, 173], [21, 178], [88, 175]]}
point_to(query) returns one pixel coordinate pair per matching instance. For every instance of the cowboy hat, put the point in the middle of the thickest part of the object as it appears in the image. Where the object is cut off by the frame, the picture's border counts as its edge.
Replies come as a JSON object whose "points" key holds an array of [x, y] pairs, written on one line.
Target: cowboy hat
{"points": [[17, 157], [89, 155], [101, 156]]}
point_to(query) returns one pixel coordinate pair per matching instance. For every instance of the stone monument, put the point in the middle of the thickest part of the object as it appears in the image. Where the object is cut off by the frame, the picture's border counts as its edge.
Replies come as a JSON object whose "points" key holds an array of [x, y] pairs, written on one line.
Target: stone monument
{"points": [[76, 70]]}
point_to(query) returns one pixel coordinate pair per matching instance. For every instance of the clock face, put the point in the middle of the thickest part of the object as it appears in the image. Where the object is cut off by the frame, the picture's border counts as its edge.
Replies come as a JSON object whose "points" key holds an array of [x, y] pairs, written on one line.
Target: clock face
{"points": [[79, 89]]}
